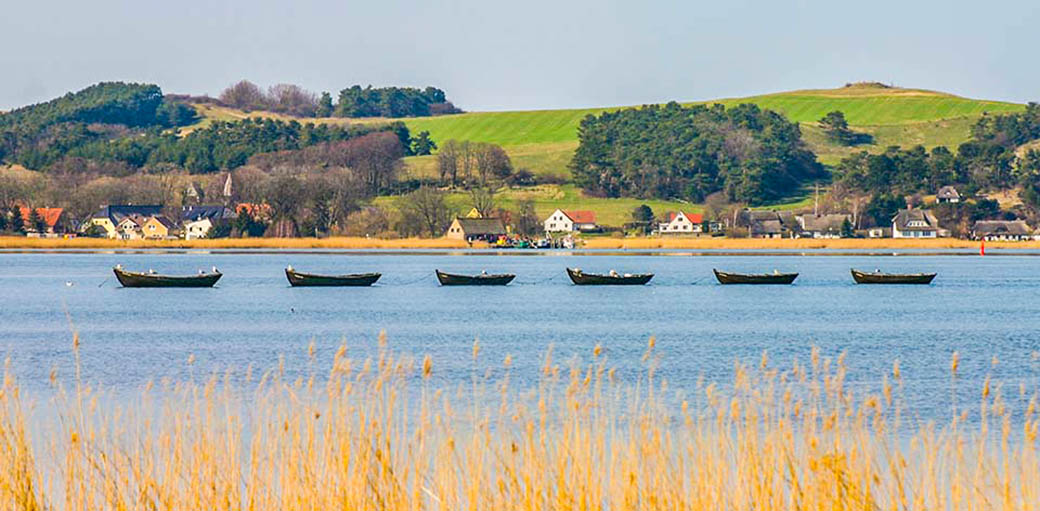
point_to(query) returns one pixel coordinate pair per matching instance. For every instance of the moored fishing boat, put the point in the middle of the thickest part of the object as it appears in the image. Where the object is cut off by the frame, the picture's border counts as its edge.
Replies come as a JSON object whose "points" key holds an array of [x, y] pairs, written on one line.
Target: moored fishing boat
{"points": [[152, 279], [613, 278], [755, 278], [876, 277], [298, 279], [483, 279]]}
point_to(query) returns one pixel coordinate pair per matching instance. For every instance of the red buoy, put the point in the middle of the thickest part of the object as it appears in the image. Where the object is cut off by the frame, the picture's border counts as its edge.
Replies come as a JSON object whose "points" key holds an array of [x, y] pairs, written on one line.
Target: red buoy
{"points": [[982, 247]]}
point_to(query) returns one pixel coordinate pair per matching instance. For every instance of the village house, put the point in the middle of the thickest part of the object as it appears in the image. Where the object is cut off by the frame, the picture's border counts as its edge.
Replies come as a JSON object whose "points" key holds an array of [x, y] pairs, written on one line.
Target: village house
{"points": [[769, 224], [682, 223], [129, 228], [198, 220], [109, 218], [476, 229], [51, 218], [570, 221], [822, 226], [158, 227], [947, 194], [1001, 230], [915, 223]]}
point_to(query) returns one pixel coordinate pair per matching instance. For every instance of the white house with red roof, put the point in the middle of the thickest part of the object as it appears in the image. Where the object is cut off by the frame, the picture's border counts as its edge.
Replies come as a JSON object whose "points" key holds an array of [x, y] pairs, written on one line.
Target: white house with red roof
{"points": [[570, 221], [682, 223]]}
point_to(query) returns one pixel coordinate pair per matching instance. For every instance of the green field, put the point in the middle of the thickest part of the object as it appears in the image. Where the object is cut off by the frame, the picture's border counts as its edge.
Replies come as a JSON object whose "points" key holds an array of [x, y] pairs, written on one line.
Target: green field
{"points": [[543, 141], [863, 106]]}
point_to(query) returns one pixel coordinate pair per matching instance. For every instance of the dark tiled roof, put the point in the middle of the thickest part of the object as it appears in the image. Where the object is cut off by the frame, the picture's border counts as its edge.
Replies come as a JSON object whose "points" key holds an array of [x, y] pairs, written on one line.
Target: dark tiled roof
{"points": [[116, 213], [195, 213], [480, 226]]}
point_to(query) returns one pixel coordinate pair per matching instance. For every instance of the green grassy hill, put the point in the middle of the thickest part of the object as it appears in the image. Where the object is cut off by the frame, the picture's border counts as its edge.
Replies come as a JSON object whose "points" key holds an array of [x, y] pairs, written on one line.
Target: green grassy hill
{"points": [[863, 105], [543, 141]]}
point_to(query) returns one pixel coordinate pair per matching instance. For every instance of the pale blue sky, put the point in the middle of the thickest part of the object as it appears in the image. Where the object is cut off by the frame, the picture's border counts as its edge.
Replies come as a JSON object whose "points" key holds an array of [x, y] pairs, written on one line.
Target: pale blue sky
{"points": [[529, 54]]}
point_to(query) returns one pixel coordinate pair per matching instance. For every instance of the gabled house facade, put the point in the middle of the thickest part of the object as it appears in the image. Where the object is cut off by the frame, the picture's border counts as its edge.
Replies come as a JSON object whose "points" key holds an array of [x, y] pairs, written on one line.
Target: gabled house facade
{"points": [[682, 223], [570, 221], [915, 223], [159, 227], [947, 194]]}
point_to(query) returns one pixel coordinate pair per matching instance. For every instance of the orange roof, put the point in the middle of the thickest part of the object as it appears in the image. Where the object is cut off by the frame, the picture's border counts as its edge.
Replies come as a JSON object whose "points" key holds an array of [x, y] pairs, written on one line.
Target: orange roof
{"points": [[50, 216], [693, 217], [581, 217]]}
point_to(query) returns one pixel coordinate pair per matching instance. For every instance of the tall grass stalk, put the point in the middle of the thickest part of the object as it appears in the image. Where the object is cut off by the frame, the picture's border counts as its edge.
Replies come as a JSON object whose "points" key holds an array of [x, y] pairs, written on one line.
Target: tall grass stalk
{"points": [[383, 434]]}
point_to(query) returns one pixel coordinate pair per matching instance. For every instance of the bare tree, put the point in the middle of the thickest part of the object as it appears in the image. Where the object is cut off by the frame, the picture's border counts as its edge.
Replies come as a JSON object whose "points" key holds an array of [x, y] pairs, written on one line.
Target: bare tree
{"points": [[424, 211], [448, 162], [244, 95], [527, 222], [483, 200], [283, 193], [293, 100], [491, 162]]}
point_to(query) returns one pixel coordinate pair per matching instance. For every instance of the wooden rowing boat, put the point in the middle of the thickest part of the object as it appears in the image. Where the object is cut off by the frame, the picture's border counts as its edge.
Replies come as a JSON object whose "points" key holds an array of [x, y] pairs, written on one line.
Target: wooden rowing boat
{"points": [[151, 279], [876, 277], [298, 279], [581, 278], [483, 279], [755, 278]]}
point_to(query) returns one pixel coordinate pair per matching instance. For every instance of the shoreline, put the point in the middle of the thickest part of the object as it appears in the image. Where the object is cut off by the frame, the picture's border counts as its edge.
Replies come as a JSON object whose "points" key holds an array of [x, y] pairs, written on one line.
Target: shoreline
{"points": [[20, 242]]}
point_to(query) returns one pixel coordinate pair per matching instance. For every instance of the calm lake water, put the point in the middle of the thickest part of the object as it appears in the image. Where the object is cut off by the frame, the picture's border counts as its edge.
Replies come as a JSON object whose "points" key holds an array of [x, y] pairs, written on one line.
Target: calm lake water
{"points": [[980, 306]]}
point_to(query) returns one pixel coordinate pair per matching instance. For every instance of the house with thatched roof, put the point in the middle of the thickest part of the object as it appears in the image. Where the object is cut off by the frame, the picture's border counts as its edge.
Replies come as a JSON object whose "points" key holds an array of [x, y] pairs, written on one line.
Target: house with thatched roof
{"points": [[1001, 230], [947, 194], [915, 223], [476, 229], [822, 226]]}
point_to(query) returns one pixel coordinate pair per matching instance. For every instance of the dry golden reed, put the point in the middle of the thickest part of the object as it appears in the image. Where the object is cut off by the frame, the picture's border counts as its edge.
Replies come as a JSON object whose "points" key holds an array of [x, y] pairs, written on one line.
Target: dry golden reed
{"points": [[381, 434]]}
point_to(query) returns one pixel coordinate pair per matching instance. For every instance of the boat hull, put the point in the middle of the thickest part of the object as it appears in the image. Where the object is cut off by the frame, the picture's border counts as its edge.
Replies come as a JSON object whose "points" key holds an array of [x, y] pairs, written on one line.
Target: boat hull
{"points": [[450, 279], [297, 279], [754, 278], [892, 278], [581, 278], [136, 279]]}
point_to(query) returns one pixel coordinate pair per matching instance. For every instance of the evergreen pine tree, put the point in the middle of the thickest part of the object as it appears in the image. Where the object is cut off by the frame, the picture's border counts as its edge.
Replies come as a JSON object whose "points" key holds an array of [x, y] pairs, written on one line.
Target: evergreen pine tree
{"points": [[17, 223]]}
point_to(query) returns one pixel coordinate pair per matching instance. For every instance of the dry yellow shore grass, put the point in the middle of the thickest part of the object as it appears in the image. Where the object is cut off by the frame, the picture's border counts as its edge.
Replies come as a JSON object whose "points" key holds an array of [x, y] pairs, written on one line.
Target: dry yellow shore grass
{"points": [[706, 243], [381, 434]]}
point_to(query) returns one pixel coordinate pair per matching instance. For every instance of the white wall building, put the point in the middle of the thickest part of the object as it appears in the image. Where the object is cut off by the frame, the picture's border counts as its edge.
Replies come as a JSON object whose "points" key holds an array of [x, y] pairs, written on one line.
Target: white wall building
{"points": [[570, 221], [682, 223]]}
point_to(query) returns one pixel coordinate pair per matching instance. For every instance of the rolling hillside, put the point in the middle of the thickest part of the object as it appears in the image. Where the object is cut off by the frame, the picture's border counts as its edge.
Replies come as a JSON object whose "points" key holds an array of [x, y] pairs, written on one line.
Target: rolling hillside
{"points": [[543, 141]]}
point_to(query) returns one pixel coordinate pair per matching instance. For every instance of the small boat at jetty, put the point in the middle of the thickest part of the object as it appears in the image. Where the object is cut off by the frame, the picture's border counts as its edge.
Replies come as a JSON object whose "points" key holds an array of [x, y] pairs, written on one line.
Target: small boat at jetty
{"points": [[152, 279], [613, 278], [876, 277], [755, 278], [298, 279], [484, 279]]}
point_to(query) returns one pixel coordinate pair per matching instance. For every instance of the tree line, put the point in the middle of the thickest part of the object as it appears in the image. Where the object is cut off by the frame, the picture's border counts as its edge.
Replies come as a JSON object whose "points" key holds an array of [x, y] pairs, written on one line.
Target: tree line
{"points": [[354, 101], [989, 160], [675, 152], [40, 134]]}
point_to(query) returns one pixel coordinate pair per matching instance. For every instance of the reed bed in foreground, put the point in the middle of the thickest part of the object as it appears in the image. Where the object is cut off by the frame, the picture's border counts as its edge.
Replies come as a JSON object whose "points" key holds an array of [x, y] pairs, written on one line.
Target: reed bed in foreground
{"points": [[380, 434]]}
